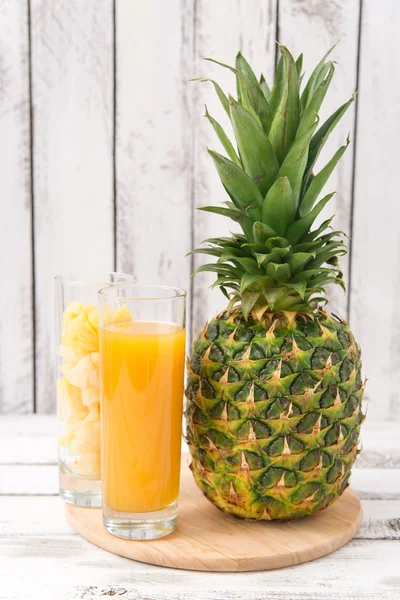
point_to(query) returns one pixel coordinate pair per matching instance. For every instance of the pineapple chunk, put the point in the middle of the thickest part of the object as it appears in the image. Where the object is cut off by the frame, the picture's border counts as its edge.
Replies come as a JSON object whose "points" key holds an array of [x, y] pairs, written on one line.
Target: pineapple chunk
{"points": [[90, 395], [69, 399], [120, 315], [68, 354], [73, 422], [93, 413], [88, 436], [79, 388], [89, 465], [78, 331], [93, 318], [86, 373]]}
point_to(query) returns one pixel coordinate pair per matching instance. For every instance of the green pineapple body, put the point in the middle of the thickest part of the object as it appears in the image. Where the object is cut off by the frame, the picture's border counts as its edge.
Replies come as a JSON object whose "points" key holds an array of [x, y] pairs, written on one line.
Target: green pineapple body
{"points": [[275, 390], [274, 412]]}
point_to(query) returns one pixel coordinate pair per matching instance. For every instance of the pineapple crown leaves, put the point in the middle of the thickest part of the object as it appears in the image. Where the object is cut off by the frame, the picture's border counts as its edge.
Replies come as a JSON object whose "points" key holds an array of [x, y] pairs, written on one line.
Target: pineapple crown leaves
{"points": [[278, 262]]}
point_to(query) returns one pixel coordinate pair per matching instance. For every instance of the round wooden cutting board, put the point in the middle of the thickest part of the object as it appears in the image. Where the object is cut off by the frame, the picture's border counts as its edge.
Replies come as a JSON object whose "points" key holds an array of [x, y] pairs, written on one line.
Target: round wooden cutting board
{"points": [[208, 540]]}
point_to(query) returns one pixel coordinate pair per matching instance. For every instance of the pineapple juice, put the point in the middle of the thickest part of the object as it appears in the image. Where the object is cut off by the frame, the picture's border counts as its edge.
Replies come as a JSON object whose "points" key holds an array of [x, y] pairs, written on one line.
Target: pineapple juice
{"points": [[141, 371]]}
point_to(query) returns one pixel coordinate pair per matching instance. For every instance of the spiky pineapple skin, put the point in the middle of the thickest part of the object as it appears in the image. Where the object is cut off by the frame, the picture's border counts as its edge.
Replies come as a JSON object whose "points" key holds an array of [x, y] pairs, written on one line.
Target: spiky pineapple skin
{"points": [[274, 413]]}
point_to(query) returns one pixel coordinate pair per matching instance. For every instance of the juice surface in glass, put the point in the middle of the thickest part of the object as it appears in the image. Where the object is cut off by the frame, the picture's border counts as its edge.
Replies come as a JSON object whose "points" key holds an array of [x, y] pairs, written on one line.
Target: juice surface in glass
{"points": [[142, 373]]}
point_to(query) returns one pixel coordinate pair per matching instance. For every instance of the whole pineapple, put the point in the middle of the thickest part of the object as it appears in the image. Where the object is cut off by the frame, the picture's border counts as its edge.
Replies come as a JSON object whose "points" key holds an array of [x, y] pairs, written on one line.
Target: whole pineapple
{"points": [[274, 393]]}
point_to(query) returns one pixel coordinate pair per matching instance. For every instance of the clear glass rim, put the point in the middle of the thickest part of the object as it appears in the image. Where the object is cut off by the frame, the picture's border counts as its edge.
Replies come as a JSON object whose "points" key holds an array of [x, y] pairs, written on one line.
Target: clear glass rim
{"points": [[108, 291], [92, 278]]}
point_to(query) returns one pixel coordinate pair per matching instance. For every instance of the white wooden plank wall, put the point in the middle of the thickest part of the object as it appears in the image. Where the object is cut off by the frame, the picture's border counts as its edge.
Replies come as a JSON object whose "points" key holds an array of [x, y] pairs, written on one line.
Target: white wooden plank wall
{"points": [[16, 297], [153, 140], [375, 275], [72, 77], [118, 162]]}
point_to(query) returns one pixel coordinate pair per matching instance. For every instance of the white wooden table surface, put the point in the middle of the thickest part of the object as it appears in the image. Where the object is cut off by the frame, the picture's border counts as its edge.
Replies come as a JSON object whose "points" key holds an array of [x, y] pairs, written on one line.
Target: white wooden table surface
{"points": [[42, 557]]}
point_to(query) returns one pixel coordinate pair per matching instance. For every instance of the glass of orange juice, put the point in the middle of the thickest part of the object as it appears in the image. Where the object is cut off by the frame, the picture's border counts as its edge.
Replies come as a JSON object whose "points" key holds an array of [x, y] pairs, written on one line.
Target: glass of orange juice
{"points": [[142, 361]]}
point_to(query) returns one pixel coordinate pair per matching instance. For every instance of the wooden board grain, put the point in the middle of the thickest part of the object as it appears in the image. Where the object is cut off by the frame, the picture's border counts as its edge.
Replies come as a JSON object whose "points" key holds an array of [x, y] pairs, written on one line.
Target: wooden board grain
{"points": [[16, 323], [208, 540], [249, 26], [375, 284], [313, 28], [72, 77]]}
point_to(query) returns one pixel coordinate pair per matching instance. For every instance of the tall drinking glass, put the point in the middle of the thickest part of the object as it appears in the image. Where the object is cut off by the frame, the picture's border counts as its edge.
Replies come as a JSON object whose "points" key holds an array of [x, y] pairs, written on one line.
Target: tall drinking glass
{"points": [[142, 384], [78, 384]]}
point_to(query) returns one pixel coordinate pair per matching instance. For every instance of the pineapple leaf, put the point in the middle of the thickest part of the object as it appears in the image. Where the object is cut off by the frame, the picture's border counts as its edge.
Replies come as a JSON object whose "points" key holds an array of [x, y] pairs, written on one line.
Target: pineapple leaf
{"points": [[276, 242], [262, 232], [314, 234], [310, 273], [225, 293], [298, 260], [228, 270], [223, 138], [277, 88], [221, 241], [272, 295], [300, 288], [265, 88], [249, 264], [319, 181], [279, 272], [242, 89], [325, 256], [254, 93], [243, 66], [294, 165], [278, 211], [308, 117], [240, 187], [223, 99], [286, 117], [220, 210], [318, 140], [210, 251], [275, 256], [249, 299], [300, 227], [226, 280], [312, 82], [229, 253], [255, 149], [248, 280], [261, 258], [299, 65]]}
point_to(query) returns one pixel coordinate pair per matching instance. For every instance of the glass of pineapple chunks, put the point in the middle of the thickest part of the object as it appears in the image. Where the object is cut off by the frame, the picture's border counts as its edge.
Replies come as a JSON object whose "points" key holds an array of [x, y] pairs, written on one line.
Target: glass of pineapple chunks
{"points": [[78, 385]]}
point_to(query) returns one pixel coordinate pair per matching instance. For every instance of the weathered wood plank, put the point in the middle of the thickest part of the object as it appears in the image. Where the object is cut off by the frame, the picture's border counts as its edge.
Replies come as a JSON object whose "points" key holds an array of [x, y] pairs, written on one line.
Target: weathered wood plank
{"points": [[84, 570], [256, 38], [28, 480], [381, 520], [98, 593], [27, 425], [375, 299], [321, 25], [376, 484], [16, 323], [29, 450], [72, 71], [153, 140]]}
